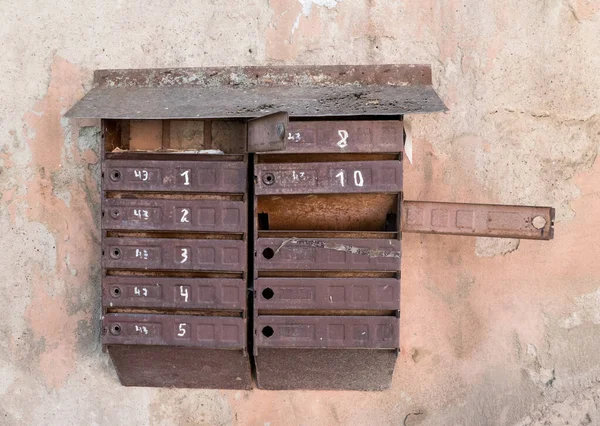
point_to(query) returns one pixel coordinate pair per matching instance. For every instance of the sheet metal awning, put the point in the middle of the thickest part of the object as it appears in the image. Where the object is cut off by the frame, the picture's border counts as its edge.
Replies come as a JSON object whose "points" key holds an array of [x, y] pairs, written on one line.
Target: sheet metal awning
{"points": [[248, 92]]}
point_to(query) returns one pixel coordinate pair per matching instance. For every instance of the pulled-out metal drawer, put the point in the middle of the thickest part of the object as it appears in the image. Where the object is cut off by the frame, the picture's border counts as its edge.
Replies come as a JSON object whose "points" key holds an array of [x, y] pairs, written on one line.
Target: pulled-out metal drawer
{"points": [[174, 330], [327, 293], [174, 215], [329, 178], [371, 332], [486, 220], [177, 176], [174, 293], [344, 136], [174, 254], [327, 254]]}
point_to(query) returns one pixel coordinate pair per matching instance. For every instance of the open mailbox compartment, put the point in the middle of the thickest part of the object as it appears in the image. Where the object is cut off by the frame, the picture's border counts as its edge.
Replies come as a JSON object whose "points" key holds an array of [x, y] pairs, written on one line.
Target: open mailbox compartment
{"points": [[252, 220]]}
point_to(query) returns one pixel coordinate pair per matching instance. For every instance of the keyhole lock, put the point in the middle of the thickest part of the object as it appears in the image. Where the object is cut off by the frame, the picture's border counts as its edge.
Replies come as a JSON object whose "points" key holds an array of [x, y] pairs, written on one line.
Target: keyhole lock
{"points": [[268, 178], [115, 175]]}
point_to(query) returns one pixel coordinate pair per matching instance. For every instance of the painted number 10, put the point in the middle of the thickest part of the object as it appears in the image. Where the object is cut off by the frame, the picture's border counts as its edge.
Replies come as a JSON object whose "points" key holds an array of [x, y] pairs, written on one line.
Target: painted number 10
{"points": [[358, 178]]}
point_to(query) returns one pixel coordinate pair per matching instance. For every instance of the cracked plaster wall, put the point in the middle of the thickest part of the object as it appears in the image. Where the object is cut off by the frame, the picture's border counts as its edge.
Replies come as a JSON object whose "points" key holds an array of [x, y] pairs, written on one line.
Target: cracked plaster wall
{"points": [[498, 333]]}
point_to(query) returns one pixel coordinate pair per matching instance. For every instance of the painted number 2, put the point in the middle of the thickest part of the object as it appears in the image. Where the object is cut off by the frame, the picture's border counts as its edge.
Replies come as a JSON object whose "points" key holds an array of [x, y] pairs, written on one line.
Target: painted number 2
{"points": [[184, 216], [358, 178]]}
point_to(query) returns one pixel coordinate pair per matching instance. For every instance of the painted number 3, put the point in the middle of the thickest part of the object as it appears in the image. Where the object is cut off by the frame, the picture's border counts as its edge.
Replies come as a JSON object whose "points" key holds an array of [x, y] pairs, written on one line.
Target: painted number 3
{"points": [[358, 178]]}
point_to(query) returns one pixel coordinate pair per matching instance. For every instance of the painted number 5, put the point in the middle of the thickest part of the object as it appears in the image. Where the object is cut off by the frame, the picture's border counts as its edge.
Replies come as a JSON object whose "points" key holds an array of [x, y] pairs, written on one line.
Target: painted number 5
{"points": [[181, 329]]}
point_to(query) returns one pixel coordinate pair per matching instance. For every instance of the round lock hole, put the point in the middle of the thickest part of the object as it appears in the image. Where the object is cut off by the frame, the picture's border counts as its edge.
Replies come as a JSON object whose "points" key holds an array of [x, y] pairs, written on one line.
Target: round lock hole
{"points": [[115, 292], [267, 331], [115, 329], [268, 179], [268, 293], [115, 253], [114, 213], [115, 175], [268, 253]]}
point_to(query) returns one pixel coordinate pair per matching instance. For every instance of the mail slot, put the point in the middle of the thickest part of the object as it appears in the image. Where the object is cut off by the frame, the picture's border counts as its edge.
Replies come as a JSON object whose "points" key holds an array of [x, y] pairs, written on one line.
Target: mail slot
{"points": [[174, 293], [179, 176], [329, 178], [326, 293], [210, 216], [174, 254], [327, 254]]}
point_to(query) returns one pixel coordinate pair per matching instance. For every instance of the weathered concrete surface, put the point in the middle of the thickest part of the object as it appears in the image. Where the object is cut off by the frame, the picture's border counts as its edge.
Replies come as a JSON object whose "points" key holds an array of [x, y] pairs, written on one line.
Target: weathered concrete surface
{"points": [[496, 334]]}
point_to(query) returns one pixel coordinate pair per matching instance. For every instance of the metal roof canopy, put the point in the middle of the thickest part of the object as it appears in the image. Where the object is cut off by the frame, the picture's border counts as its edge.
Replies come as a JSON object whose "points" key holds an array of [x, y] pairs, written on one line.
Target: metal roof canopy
{"points": [[248, 92]]}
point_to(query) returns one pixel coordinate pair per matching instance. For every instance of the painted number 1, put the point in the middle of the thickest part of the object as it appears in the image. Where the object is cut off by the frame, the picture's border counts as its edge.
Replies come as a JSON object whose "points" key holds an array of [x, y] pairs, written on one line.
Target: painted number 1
{"points": [[358, 178], [186, 177]]}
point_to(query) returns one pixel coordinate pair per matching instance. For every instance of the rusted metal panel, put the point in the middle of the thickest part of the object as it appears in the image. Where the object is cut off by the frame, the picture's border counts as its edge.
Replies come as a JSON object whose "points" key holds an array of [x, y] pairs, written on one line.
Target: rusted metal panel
{"points": [[173, 293], [345, 136], [178, 176], [174, 215], [485, 220], [324, 254], [268, 133], [327, 293], [328, 178], [342, 369], [277, 331], [174, 254], [174, 330], [248, 92], [181, 367]]}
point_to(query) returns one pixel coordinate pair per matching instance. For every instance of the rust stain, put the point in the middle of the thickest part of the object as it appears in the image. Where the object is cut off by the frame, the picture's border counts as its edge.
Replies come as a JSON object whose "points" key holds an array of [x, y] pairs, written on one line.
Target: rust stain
{"points": [[60, 166]]}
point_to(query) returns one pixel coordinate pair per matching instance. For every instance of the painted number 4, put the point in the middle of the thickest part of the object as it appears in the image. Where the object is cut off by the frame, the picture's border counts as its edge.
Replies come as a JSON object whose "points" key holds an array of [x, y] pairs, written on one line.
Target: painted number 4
{"points": [[358, 178]]}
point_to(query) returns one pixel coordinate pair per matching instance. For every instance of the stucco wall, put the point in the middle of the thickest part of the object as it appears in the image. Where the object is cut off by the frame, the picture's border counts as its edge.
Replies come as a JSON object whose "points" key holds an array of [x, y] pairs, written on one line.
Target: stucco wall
{"points": [[493, 332]]}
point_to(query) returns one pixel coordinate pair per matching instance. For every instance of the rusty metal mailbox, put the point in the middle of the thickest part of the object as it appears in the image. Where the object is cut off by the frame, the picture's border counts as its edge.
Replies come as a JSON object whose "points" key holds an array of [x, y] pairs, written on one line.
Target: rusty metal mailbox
{"points": [[252, 221], [174, 254], [327, 287]]}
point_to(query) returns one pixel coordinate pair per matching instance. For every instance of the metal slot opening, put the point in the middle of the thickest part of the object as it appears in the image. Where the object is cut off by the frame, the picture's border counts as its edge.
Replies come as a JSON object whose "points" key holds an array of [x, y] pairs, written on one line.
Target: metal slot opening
{"points": [[329, 234], [330, 312], [174, 235], [172, 274], [328, 274], [194, 312], [329, 212], [172, 196], [324, 158]]}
